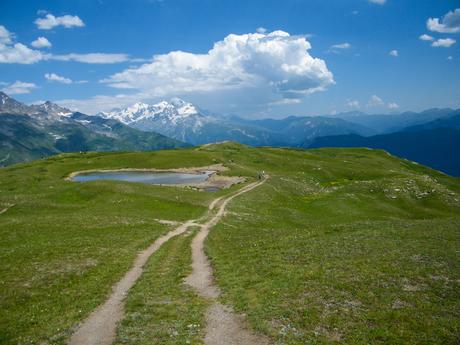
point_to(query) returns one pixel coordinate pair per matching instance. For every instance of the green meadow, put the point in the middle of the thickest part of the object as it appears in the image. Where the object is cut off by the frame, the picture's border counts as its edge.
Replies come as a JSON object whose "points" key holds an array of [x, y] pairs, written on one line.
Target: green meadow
{"points": [[346, 246]]}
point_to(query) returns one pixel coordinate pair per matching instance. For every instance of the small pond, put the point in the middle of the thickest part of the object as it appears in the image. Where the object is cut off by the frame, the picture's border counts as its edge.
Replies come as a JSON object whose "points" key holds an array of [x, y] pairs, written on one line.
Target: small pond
{"points": [[148, 177]]}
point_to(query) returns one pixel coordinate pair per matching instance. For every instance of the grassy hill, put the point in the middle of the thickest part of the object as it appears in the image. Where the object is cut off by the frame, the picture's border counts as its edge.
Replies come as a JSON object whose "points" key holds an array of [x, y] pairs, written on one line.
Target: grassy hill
{"points": [[25, 138], [436, 147], [340, 245]]}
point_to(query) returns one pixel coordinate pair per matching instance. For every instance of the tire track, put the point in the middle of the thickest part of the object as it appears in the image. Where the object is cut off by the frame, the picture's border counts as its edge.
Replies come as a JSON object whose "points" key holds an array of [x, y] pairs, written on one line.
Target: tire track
{"points": [[99, 328], [223, 325]]}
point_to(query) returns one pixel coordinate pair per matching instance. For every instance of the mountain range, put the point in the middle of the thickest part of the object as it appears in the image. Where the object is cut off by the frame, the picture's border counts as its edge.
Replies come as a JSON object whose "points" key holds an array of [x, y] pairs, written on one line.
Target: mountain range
{"points": [[435, 143], [29, 132], [389, 123], [185, 122]]}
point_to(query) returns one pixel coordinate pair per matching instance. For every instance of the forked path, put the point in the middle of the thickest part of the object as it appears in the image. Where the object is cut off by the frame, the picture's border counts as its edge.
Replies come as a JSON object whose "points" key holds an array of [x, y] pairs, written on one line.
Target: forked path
{"points": [[100, 326], [223, 326]]}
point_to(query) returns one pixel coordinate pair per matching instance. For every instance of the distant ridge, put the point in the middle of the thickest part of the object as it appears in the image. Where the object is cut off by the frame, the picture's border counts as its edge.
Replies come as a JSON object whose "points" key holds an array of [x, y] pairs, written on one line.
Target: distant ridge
{"points": [[31, 132], [186, 122], [435, 143], [387, 123]]}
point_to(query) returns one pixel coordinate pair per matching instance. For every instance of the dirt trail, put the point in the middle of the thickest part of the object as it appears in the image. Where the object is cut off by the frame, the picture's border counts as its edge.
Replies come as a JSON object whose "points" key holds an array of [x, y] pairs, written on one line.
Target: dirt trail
{"points": [[10, 206], [100, 327], [223, 326]]}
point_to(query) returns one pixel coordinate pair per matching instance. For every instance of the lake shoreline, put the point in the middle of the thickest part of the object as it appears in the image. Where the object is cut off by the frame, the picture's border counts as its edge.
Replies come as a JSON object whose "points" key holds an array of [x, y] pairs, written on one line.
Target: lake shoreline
{"points": [[214, 180]]}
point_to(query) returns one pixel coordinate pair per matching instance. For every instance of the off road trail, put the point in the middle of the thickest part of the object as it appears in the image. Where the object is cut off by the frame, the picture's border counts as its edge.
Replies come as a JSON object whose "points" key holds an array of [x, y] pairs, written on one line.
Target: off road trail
{"points": [[99, 328], [223, 326]]}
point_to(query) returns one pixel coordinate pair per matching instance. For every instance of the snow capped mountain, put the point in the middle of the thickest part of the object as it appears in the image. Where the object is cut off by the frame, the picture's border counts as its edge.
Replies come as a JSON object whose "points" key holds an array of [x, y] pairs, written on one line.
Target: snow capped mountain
{"points": [[11, 106], [45, 111], [185, 122], [30, 132], [173, 111], [52, 109], [177, 118]]}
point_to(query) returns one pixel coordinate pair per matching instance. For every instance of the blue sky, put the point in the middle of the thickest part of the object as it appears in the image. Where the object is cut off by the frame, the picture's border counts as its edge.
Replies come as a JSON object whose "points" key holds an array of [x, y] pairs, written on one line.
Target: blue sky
{"points": [[270, 58]]}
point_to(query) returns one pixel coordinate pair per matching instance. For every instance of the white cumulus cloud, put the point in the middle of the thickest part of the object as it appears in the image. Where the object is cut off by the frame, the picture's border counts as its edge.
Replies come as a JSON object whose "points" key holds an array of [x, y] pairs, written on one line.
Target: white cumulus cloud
{"points": [[19, 53], [50, 21], [378, 2], [6, 37], [274, 61], [57, 78], [426, 37], [443, 42], [100, 103], [11, 52], [449, 24], [41, 42], [19, 87], [393, 105], [95, 58], [394, 53], [286, 101], [375, 101], [352, 104], [344, 45]]}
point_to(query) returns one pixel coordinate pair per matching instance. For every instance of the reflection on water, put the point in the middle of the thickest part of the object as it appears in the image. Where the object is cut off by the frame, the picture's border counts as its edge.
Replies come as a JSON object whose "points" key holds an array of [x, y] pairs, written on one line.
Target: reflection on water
{"points": [[148, 177]]}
